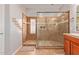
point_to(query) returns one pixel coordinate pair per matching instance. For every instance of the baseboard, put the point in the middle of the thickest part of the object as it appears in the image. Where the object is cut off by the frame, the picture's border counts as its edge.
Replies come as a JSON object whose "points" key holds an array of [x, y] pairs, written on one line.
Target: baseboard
{"points": [[17, 50]]}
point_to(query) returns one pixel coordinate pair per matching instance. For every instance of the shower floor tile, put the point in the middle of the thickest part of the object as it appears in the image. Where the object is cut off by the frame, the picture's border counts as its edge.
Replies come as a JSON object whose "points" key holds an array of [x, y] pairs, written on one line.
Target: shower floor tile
{"points": [[49, 43]]}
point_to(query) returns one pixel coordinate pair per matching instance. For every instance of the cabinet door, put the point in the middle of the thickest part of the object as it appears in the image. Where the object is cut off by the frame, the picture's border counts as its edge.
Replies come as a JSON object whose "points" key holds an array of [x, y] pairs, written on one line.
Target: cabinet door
{"points": [[74, 49], [67, 47]]}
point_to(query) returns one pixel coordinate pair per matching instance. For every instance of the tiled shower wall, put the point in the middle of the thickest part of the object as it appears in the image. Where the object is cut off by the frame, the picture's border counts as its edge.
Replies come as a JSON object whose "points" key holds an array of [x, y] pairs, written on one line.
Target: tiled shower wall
{"points": [[50, 30]]}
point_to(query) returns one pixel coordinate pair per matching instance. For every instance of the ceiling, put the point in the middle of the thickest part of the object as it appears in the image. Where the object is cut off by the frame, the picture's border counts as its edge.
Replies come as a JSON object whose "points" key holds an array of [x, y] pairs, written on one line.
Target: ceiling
{"points": [[32, 9], [47, 7]]}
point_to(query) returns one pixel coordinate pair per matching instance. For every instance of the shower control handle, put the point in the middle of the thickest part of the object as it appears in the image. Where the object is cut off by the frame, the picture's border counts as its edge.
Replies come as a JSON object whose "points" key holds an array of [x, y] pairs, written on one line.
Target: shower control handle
{"points": [[42, 27]]}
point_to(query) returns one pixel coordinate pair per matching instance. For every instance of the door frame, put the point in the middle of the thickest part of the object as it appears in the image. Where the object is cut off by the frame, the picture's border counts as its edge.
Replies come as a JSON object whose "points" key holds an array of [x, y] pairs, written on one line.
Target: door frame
{"points": [[22, 26], [28, 17]]}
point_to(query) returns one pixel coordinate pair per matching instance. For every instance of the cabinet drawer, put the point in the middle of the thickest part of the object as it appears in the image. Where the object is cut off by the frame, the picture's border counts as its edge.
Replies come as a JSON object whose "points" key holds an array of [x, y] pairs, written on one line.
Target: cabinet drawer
{"points": [[74, 49], [1, 45]]}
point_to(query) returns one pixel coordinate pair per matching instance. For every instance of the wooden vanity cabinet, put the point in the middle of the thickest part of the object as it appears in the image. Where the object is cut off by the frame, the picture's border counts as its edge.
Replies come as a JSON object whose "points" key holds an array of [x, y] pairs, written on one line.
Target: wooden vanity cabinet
{"points": [[71, 45], [74, 49], [67, 47]]}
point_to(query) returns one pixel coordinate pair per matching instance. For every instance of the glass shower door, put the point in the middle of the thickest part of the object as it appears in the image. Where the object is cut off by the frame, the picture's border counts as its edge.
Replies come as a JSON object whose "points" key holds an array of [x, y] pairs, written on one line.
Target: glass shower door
{"points": [[41, 31], [50, 29]]}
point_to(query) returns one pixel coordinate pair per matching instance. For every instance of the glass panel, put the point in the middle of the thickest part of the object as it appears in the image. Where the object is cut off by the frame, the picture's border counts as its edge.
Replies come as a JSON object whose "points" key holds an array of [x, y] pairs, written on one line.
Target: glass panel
{"points": [[77, 22], [50, 29], [77, 17], [32, 26]]}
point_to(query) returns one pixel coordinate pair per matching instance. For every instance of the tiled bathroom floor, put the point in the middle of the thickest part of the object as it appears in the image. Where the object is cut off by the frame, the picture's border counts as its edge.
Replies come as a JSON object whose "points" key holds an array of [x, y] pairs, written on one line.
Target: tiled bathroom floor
{"points": [[45, 43], [30, 42], [31, 50]]}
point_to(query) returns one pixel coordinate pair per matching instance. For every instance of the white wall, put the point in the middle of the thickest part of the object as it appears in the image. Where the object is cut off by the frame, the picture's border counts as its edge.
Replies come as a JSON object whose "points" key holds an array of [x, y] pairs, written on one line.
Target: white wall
{"points": [[73, 11], [1, 29], [15, 33], [11, 39], [7, 29], [33, 9], [1, 18]]}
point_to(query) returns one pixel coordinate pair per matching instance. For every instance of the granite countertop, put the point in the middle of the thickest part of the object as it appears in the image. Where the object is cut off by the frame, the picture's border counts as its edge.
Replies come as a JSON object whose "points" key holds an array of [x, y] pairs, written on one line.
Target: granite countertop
{"points": [[76, 35]]}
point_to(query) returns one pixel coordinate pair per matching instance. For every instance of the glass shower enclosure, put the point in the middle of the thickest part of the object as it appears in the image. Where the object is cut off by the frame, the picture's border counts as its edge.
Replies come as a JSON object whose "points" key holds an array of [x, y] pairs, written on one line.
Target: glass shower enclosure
{"points": [[50, 29]]}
